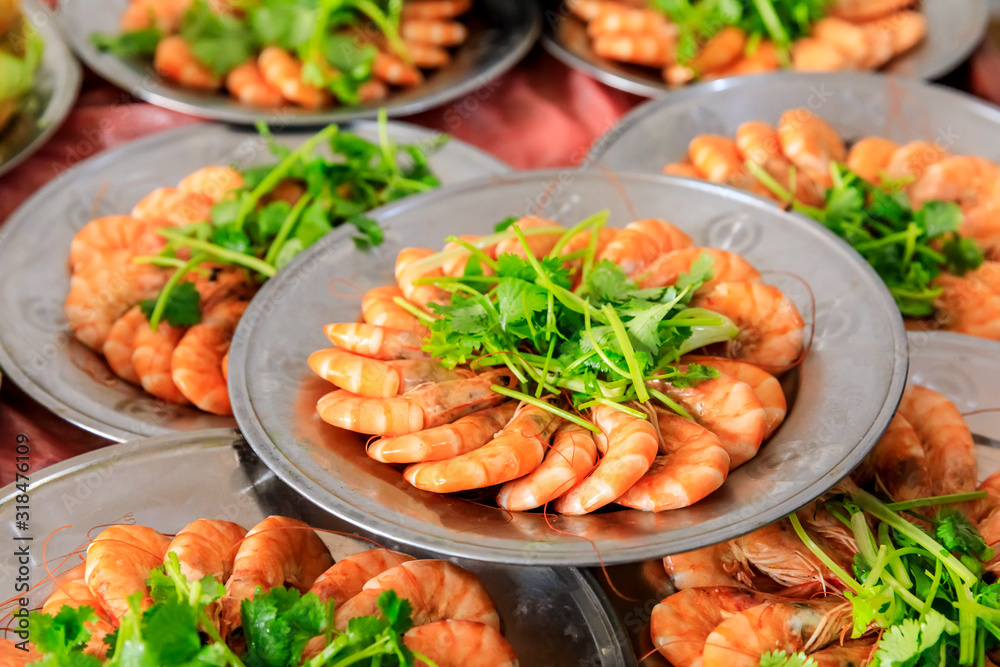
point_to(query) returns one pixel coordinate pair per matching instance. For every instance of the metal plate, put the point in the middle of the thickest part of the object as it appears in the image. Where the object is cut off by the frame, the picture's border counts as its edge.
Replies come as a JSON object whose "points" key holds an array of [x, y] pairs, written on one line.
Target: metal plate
{"points": [[57, 83], [856, 104], [850, 382], [954, 30], [500, 33], [962, 368], [551, 617], [36, 349]]}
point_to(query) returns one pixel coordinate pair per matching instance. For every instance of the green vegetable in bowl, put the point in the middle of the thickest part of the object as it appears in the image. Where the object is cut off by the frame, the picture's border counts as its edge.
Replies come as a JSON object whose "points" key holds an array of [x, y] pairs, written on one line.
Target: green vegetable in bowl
{"points": [[20, 56]]}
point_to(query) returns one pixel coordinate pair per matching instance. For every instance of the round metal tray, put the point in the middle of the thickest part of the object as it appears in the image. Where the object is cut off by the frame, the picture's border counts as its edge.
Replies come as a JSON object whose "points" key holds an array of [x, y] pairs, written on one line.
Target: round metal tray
{"points": [[962, 368], [954, 30], [850, 382], [36, 349], [500, 33], [551, 617], [57, 83], [856, 104]]}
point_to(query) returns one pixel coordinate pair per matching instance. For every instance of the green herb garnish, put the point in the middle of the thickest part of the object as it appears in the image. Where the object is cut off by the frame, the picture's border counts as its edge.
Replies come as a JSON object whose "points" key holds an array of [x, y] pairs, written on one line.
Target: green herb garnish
{"points": [[782, 659], [131, 44]]}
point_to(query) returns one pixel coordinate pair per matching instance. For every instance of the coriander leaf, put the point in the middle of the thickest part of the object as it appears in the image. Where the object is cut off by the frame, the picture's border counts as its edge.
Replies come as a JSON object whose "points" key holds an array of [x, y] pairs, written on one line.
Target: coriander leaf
{"points": [[62, 633], [504, 224], [313, 225], [225, 212], [395, 610], [607, 282], [371, 231], [349, 57], [133, 43], [231, 238], [782, 659], [269, 219], [518, 301], [220, 41], [277, 625], [183, 307], [963, 255], [285, 24], [902, 644], [170, 630], [958, 534], [938, 217], [288, 252]]}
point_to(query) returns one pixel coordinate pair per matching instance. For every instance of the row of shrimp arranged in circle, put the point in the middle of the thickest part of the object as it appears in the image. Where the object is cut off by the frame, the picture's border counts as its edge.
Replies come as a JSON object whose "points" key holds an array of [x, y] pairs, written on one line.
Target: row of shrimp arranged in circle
{"points": [[454, 433], [454, 616], [274, 77], [856, 35], [969, 304], [177, 364], [752, 591]]}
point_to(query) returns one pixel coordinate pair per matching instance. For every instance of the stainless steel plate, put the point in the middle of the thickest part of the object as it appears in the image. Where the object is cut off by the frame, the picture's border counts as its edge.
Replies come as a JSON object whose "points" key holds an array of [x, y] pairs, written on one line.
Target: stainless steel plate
{"points": [[57, 83], [500, 33], [856, 104], [36, 349], [552, 617], [850, 382], [954, 30], [962, 368]]}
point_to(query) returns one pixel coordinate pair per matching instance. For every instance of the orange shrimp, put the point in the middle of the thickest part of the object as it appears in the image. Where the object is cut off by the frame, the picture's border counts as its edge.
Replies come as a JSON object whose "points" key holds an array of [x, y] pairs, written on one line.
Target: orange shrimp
{"points": [[760, 143], [812, 55], [692, 465], [76, 594], [408, 263], [348, 576], [965, 180], [653, 50], [913, 159], [151, 356], [376, 342], [427, 56], [946, 439], [452, 643], [166, 15], [247, 84], [539, 244], [173, 206], [902, 30], [113, 238], [175, 60], [811, 144], [898, 462], [865, 10], [728, 408], [776, 551], [618, 19], [568, 461], [582, 241], [119, 561], [685, 169], [772, 332], [766, 58], [515, 451], [394, 70], [196, 364], [437, 590], [13, 656], [720, 51], [425, 407], [120, 345], [278, 551], [726, 267], [380, 379], [629, 445], [372, 91], [214, 182], [444, 442], [968, 304], [848, 38], [716, 565], [207, 548], [435, 9], [870, 157], [682, 622], [283, 72], [456, 263], [433, 31], [637, 245], [379, 308], [765, 387], [717, 157]]}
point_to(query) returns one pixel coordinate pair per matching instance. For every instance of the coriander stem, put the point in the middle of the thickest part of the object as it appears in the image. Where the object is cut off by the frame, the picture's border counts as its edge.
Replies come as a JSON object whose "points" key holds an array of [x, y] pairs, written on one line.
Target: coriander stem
{"points": [[596, 221], [473, 250], [172, 282], [568, 416], [935, 500], [597, 347], [286, 228], [385, 143], [670, 403], [847, 579], [248, 261], [638, 414], [628, 351], [431, 262]]}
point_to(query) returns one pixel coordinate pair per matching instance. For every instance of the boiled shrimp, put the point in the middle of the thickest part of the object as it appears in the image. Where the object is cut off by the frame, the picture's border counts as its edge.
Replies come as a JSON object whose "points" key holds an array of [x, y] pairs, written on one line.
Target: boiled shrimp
{"points": [[627, 20], [766, 58], [776, 551], [379, 308], [567, 462], [196, 364], [369, 340], [165, 15], [452, 643], [173, 206], [380, 379], [539, 244], [629, 445], [717, 157], [408, 270], [119, 561], [283, 71], [151, 359], [425, 407], [113, 239], [692, 465], [720, 51], [444, 442], [902, 30], [515, 451], [728, 408], [772, 332], [120, 344], [653, 50], [946, 439], [682, 622], [278, 551], [898, 462], [394, 70], [870, 157], [968, 304], [848, 38], [685, 169], [715, 565], [76, 594], [437, 590], [813, 55], [765, 387], [965, 180], [455, 265], [726, 267], [433, 31], [247, 84], [811, 144], [865, 10], [913, 159], [175, 60], [791, 626], [427, 56], [641, 242], [348, 576], [214, 182], [207, 548], [435, 9]]}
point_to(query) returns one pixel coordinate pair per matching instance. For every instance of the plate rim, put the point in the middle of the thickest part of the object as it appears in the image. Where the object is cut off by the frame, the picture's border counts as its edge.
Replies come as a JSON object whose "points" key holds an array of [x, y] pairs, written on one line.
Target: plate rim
{"points": [[937, 67], [66, 88], [21, 220], [111, 69], [259, 439]]}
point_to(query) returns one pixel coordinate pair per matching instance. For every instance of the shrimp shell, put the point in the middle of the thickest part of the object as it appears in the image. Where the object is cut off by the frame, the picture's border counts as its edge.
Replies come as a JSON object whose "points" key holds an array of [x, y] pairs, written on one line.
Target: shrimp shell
{"points": [[765, 387], [641, 242], [379, 379], [113, 238], [726, 267], [175, 60], [811, 144], [444, 442], [120, 344], [435, 9], [433, 31], [539, 244], [207, 548], [946, 439], [406, 271], [196, 363], [247, 84], [379, 308], [369, 340], [348, 576], [452, 643], [870, 157], [214, 182], [119, 561]]}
